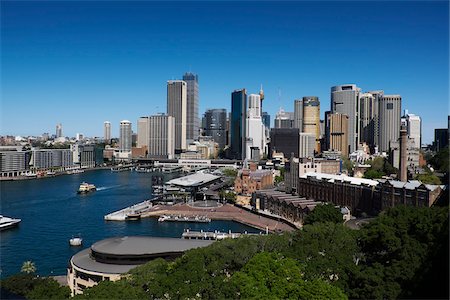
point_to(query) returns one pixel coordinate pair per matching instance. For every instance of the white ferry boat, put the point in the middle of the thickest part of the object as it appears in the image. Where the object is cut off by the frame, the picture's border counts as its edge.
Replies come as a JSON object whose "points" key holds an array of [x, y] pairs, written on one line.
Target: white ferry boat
{"points": [[6, 222], [75, 171], [86, 188], [198, 219], [76, 241]]}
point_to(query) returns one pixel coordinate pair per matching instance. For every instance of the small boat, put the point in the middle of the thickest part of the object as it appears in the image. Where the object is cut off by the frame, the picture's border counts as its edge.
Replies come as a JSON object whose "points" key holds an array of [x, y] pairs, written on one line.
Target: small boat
{"points": [[76, 241], [51, 173], [196, 219], [30, 174], [86, 188], [75, 171], [133, 217], [6, 223]]}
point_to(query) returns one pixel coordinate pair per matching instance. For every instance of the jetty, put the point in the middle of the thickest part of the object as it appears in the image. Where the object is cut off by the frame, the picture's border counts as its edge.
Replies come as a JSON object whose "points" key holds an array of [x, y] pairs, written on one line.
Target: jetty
{"points": [[130, 212], [213, 235]]}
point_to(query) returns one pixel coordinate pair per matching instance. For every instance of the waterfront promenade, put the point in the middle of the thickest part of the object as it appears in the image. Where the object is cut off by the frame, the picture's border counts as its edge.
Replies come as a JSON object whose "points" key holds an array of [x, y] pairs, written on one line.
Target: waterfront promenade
{"points": [[225, 212]]}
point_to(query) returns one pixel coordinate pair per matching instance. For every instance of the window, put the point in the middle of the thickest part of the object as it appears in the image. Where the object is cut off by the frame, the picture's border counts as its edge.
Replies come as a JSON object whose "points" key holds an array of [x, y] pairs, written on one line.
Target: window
{"points": [[389, 105]]}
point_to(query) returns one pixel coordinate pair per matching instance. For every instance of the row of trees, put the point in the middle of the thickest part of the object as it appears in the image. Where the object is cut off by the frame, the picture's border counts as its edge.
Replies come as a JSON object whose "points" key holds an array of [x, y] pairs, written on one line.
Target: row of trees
{"points": [[403, 253]]}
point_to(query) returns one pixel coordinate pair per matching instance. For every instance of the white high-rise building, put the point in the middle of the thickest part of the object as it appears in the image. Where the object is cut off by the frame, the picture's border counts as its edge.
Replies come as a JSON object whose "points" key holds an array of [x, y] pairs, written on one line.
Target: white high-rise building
{"points": [[414, 128], [298, 114], [161, 135], [177, 108], [307, 143], [107, 131], [255, 136], [59, 130], [389, 110]]}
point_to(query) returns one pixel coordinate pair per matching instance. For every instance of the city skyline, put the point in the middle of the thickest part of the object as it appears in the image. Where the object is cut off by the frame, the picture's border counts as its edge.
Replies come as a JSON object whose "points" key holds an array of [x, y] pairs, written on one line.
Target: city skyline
{"points": [[72, 63]]}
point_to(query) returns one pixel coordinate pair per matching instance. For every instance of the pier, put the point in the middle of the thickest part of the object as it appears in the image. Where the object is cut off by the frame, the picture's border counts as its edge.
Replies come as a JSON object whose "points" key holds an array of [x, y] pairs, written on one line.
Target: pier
{"points": [[134, 210], [210, 235]]}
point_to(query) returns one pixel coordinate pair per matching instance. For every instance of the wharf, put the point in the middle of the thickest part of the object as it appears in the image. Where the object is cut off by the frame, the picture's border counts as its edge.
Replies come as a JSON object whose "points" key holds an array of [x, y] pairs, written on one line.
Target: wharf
{"points": [[210, 235], [136, 209]]}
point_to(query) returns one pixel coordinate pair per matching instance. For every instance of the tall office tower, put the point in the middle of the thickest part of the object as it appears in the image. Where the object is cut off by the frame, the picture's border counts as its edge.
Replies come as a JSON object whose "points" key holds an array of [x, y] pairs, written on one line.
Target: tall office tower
{"points": [[337, 133], [440, 138], [192, 123], [403, 175], [368, 113], [344, 100], [307, 143], [161, 136], [142, 132], [284, 119], [177, 108], [125, 136], [107, 132], [298, 114], [413, 125], [266, 119], [215, 125], [311, 118], [237, 123], [58, 130], [255, 135], [389, 110], [284, 140], [377, 95]]}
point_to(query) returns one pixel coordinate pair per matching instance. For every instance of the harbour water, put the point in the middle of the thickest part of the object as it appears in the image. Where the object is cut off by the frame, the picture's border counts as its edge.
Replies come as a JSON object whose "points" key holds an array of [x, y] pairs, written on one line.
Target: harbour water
{"points": [[52, 212]]}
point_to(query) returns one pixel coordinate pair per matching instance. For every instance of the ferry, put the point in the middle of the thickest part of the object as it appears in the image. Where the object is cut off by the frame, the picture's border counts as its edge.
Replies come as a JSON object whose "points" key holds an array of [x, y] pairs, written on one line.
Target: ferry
{"points": [[75, 171], [6, 223], [76, 241], [86, 188], [198, 219]]}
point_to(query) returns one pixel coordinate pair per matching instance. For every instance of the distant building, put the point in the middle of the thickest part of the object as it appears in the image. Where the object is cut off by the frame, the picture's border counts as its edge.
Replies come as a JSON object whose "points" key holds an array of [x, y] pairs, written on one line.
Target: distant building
{"points": [[215, 125], [389, 109], [59, 130], [13, 161], [344, 100], [83, 155], [142, 132], [284, 119], [255, 134], [440, 138], [337, 133], [177, 108], [125, 140], [368, 114], [238, 123], [192, 99], [266, 119], [107, 132], [46, 159], [161, 136], [413, 125], [285, 140], [298, 114], [307, 143], [311, 118]]}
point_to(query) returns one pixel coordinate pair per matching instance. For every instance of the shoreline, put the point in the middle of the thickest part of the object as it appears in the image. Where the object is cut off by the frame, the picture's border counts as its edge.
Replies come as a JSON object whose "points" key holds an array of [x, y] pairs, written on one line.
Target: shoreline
{"points": [[20, 178]]}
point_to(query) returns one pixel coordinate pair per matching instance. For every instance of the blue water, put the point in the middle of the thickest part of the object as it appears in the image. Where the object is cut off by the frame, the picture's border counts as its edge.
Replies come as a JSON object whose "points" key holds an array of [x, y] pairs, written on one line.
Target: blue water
{"points": [[52, 213]]}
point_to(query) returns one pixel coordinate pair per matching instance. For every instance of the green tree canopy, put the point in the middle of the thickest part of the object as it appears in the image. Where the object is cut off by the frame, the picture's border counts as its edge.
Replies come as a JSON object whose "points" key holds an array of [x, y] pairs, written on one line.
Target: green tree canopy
{"points": [[324, 213]]}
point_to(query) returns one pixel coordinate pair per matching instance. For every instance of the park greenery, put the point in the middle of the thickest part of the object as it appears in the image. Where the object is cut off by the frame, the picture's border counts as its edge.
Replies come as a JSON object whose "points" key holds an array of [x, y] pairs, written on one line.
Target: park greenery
{"points": [[379, 167], [324, 213], [402, 253]]}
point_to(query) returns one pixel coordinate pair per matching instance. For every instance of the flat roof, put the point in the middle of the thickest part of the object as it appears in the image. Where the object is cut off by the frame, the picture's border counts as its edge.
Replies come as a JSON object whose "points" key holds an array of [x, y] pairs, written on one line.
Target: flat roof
{"points": [[140, 245], [342, 177], [84, 261], [194, 179]]}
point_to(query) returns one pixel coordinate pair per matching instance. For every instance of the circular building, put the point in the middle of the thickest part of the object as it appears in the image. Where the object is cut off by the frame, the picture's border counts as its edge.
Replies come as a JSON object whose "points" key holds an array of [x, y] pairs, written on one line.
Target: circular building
{"points": [[110, 258]]}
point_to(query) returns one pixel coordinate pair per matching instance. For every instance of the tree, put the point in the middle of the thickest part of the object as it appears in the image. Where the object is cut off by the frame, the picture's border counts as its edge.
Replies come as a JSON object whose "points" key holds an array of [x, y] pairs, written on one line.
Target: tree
{"points": [[121, 289], [48, 288], [19, 284], [324, 213], [271, 276], [373, 174], [28, 267], [347, 164], [428, 178], [440, 161]]}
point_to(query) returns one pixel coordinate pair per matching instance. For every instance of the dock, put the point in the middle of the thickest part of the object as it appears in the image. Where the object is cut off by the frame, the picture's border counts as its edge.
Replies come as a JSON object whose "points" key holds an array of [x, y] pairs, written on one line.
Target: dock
{"points": [[213, 235], [134, 210]]}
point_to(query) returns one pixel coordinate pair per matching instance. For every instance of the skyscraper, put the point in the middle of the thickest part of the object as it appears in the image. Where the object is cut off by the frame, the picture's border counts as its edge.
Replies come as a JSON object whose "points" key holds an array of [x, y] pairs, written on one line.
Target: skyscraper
{"points": [[368, 113], [142, 132], [58, 130], [255, 135], [107, 132], [125, 139], [192, 119], [307, 143], [414, 128], [298, 114], [337, 131], [344, 100], [177, 108], [284, 119], [161, 135], [237, 123], [389, 109], [377, 95], [311, 118], [215, 125], [266, 119]]}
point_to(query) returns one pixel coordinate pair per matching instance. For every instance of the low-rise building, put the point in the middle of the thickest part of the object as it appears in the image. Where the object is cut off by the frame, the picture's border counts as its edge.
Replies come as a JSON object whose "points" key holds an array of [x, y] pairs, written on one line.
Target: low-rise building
{"points": [[14, 160], [56, 159], [250, 180], [109, 259]]}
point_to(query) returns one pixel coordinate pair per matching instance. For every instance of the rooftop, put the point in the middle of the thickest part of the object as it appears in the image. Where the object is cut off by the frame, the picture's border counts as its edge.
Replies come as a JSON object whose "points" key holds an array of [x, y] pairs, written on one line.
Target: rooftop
{"points": [[196, 179], [342, 177]]}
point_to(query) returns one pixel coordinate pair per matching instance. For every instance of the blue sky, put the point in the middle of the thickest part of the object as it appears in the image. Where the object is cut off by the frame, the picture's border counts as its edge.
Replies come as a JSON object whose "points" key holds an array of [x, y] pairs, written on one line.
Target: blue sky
{"points": [[81, 63]]}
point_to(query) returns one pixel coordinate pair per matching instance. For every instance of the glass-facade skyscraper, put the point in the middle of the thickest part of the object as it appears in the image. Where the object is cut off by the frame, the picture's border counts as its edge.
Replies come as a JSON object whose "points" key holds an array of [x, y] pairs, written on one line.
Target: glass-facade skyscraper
{"points": [[237, 123], [266, 119], [192, 123], [216, 125]]}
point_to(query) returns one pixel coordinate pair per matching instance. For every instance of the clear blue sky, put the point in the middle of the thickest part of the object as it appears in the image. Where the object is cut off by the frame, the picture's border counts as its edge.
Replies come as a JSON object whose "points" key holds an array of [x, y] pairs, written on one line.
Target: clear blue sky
{"points": [[81, 63]]}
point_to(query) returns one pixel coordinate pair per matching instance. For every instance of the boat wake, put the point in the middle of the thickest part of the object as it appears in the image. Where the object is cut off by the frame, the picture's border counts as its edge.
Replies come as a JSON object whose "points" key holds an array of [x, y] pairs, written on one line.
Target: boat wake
{"points": [[103, 188]]}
